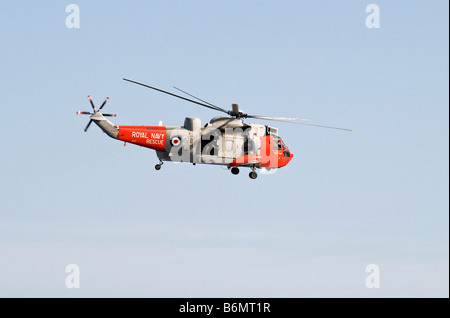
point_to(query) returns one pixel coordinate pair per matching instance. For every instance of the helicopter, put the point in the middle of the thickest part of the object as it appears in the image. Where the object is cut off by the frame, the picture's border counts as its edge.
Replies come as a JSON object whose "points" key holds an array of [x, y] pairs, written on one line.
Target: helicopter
{"points": [[224, 140]]}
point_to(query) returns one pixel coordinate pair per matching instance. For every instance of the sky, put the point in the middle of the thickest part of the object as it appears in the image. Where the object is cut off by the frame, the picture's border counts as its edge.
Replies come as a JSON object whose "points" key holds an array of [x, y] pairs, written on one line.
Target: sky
{"points": [[378, 195]]}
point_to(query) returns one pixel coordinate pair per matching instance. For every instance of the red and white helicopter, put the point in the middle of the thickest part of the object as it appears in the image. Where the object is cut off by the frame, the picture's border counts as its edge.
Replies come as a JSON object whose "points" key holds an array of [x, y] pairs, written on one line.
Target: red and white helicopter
{"points": [[227, 141]]}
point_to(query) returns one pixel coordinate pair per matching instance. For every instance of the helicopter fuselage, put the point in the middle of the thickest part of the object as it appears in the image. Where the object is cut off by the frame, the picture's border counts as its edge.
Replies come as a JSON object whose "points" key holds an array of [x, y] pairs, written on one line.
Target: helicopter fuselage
{"points": [[223, 141]]}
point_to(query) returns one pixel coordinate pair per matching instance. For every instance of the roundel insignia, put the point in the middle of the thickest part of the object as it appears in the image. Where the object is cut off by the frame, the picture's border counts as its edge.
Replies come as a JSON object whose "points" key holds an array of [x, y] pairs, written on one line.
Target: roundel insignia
{"points": [[175, 141]]}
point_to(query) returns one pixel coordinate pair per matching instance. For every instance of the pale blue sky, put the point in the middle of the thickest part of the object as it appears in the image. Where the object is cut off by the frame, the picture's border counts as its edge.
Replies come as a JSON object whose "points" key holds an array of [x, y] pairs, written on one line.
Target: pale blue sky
{"points": [[375, 196]]}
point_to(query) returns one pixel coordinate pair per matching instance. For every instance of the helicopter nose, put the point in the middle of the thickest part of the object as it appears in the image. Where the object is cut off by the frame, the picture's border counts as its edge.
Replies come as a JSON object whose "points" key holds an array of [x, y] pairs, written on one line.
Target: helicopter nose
{"points": [[290, 157]]}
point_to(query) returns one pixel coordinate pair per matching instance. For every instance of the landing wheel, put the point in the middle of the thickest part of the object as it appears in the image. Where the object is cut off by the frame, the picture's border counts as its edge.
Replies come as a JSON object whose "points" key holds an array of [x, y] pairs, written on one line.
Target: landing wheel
{"points": [[252, 175], [158, 167], [235, 170]]}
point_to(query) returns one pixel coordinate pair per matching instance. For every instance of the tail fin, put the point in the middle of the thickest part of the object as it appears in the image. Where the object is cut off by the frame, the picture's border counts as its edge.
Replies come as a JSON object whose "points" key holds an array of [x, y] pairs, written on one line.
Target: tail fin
{"points": [[108, 127]]}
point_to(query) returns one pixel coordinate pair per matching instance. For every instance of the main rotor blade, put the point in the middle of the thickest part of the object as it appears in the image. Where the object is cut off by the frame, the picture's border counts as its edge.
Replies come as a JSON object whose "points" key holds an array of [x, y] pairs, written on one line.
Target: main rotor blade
{"points": [[306, 124], [107, 98], [277, 118], [89, 123], [217, 107], [187, 99]]}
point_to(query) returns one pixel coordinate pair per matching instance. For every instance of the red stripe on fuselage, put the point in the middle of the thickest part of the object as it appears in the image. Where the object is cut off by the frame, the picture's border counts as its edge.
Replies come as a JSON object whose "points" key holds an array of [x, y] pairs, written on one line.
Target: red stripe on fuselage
{"points": [[153, 137]]}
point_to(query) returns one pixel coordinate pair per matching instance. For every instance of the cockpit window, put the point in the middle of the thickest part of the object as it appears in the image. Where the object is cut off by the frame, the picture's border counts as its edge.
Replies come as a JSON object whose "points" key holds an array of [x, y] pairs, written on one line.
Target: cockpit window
{"points": [[280, 145]]}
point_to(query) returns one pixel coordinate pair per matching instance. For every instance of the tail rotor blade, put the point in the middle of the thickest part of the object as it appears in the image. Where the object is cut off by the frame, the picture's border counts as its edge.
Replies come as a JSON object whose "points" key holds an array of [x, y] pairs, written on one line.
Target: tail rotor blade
{"points": [[89, 123], [84, 113], [92, 103], [109, 115], [107, 98]]}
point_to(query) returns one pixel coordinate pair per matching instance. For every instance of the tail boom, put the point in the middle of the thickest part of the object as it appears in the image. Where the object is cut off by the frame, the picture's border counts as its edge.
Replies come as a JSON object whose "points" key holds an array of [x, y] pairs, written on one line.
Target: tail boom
{"points": [[153, 137]]}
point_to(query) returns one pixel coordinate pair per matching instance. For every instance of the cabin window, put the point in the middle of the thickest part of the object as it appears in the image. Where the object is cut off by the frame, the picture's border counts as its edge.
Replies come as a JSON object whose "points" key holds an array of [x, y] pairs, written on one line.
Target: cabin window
{"points": [[249, 146], [209, 145]]}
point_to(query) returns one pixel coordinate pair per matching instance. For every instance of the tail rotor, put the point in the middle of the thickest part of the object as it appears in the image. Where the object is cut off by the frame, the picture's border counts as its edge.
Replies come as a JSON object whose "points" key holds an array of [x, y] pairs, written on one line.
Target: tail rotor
{"points": [[95, 111]]}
